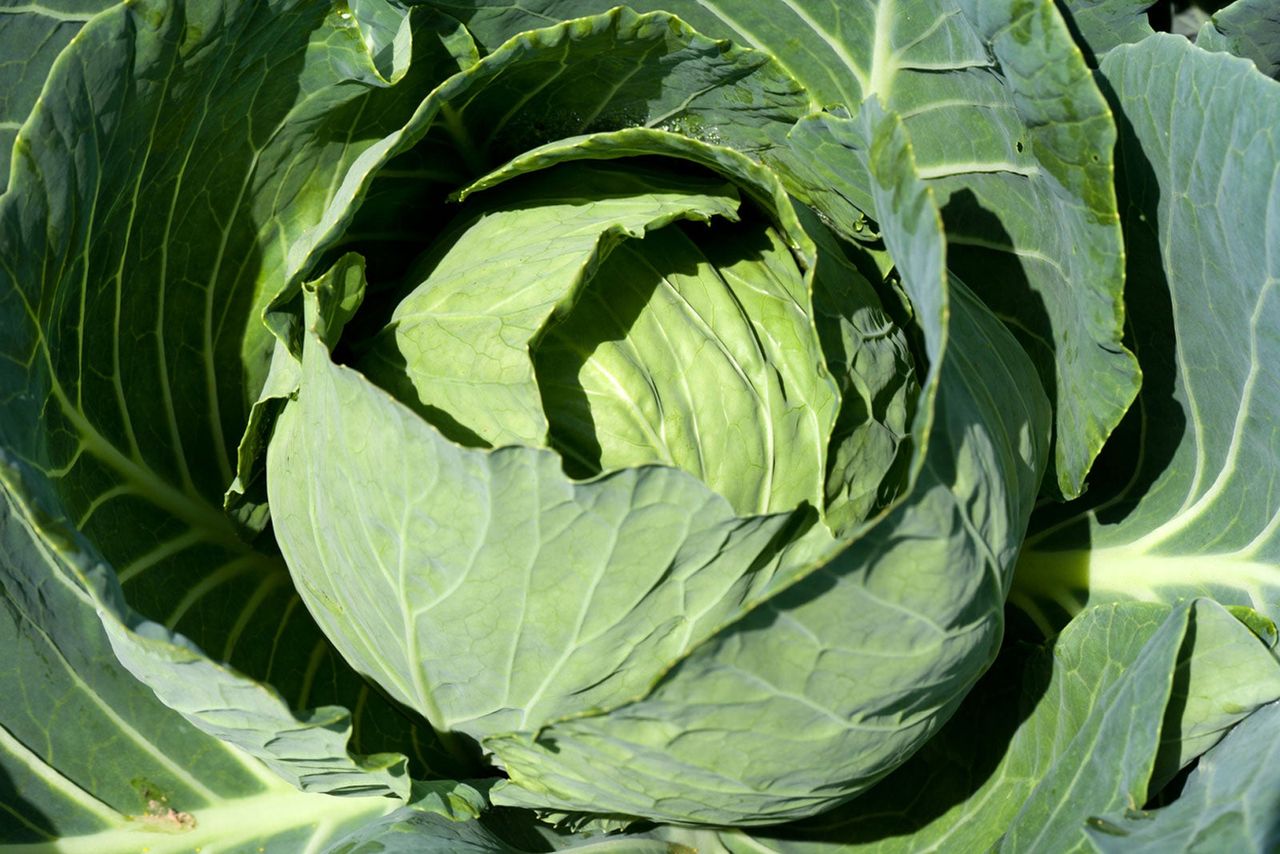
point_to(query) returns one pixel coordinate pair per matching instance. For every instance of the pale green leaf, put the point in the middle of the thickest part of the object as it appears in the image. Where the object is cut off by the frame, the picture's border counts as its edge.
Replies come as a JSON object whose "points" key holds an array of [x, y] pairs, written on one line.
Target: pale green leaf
{"points": [[459, 343], [869, 355], [246, 498], [1224, 673], [387, 34], [624, 374], [866, 351], [407, 832]]}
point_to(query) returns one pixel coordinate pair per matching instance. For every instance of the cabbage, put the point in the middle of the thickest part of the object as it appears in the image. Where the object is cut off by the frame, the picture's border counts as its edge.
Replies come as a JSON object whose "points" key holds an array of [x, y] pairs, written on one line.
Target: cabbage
{"points": [[467, 426]]}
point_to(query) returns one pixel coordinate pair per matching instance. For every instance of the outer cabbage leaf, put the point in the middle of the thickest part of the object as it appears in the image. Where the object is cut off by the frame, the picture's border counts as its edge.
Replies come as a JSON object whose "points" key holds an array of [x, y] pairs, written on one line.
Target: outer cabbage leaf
{"points": [[31, 37], [89, 756], [1020, 160], [1248, 28], [126, 318], [1230, 801], [1100, 25], [1051, 738], [1196, 511]]}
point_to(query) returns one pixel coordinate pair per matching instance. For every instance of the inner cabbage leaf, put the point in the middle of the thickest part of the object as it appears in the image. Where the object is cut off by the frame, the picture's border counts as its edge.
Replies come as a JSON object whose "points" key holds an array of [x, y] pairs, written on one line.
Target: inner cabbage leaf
{"points": [[622, 333]]}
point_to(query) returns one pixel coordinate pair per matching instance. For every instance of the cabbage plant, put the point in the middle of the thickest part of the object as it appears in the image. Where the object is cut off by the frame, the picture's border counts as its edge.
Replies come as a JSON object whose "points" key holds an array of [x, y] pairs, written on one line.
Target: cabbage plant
{"points": [[472, 426]]}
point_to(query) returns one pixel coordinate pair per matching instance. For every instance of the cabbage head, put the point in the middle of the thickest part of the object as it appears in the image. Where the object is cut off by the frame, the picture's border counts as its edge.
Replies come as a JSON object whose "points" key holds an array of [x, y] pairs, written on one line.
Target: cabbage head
{"points": [[628, 478]]}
